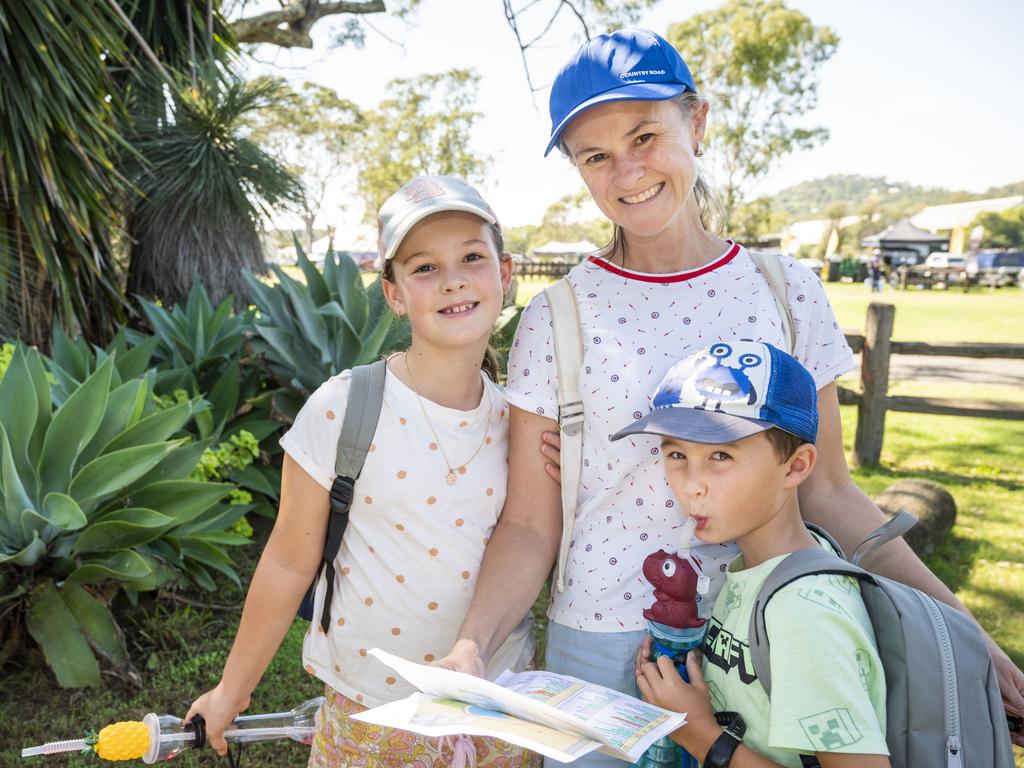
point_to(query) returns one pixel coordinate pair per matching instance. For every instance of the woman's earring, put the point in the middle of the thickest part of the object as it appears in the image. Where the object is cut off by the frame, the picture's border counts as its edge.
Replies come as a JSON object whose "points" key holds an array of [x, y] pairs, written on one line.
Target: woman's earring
{"points": [[699, 152]]}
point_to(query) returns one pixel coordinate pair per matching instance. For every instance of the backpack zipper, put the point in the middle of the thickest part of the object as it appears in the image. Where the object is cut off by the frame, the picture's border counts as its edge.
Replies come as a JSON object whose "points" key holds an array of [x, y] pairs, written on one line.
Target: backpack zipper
{"points": [[954, 750]]}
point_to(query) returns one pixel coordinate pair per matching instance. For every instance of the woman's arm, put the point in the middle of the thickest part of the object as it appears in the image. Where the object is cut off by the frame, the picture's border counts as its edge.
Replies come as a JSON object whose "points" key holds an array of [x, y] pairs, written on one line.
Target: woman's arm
{"points": [[520, 553], [832, 500], [285, 570]]}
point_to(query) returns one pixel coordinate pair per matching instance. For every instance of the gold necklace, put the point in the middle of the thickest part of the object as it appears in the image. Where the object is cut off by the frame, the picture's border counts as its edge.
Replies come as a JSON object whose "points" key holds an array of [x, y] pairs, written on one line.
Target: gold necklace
{"points": [[451, 478]]}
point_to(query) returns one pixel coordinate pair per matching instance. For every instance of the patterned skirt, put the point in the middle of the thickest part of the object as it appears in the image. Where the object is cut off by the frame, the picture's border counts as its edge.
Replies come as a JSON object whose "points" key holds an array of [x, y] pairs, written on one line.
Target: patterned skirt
{"points": [[341, 742]]}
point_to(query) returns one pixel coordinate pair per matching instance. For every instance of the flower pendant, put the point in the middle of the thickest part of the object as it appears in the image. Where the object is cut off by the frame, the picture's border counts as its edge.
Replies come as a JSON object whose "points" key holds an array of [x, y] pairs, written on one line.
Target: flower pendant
{"points": [[451, 477]]}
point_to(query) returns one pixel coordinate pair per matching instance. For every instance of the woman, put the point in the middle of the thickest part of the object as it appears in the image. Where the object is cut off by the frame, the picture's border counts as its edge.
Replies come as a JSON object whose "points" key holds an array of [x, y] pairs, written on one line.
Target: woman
{"points": [[625, 112]]}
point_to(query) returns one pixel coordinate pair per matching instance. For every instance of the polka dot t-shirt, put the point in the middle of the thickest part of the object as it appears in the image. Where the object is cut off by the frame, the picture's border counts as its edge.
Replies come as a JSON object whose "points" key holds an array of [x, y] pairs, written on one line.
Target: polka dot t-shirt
{"points": [[635, 327], [410, 556]]}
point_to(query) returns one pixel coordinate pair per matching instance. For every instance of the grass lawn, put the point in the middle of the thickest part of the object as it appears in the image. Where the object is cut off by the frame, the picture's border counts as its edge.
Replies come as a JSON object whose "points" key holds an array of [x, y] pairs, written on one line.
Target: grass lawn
{"points": [[180, 649]]}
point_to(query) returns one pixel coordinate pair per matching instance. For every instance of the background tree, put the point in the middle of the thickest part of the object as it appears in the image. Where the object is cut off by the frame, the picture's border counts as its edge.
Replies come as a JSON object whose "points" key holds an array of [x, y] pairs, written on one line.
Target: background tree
{"points": [[203, 190], [309, 128], [565, 220], [59, 193], [424, 126], [757, 61], [1002, 230]]}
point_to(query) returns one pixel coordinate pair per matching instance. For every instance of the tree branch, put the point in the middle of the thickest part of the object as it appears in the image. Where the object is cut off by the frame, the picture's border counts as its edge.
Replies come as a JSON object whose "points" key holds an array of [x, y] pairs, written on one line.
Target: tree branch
{"points": [[290, 26]]}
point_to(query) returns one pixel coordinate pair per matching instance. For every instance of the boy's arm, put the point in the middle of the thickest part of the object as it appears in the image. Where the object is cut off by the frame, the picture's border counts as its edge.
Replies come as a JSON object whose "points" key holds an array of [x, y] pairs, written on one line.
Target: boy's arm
{"points": [[285, 570], [832, 500]]}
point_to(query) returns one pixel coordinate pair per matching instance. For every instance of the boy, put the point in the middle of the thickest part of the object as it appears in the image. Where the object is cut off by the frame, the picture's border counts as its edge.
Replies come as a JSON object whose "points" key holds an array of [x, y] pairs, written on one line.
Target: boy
{"points": [[738, 422]]}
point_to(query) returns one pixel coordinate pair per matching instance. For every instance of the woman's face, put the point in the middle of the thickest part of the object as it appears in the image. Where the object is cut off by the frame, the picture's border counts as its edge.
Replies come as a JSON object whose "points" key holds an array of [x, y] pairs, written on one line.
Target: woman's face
{"points": [[637, 160]]}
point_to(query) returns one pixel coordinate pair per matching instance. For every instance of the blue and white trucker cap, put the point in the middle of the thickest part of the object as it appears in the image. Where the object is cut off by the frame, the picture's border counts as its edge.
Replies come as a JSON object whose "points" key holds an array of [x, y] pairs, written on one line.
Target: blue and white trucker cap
{"points": [[732, 390], [629, 64]]}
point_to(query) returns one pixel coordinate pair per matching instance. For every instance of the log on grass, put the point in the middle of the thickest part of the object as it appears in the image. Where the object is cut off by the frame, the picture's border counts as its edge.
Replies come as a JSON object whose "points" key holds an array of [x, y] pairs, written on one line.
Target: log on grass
{"points": [[930, 503]]}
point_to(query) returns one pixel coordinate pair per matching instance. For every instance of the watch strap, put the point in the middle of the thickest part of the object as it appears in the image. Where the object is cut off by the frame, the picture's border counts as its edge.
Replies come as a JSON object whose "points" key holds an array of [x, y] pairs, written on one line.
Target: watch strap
{"points": [[722, 750]]}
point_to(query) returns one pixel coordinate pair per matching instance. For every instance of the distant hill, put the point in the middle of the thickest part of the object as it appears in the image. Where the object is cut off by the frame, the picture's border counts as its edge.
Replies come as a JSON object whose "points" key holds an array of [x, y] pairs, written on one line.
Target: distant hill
{"points": [[865, 194]]}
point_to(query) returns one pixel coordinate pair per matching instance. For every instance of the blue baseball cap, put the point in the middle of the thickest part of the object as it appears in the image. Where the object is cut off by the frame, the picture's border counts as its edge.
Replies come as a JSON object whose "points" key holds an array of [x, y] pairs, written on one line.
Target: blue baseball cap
{"points": [[632, 64], [731, 390]]}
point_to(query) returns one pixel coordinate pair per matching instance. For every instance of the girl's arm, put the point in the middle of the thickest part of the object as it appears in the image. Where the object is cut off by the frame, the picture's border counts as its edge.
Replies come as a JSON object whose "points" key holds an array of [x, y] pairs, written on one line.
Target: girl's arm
{"points": [[660, 684], [519, 555], [832, 500], [285, 570]]}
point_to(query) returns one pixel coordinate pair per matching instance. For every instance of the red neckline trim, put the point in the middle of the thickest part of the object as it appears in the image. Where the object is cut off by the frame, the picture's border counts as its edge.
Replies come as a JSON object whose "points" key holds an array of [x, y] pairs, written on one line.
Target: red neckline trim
{"points": [[672, 277]]}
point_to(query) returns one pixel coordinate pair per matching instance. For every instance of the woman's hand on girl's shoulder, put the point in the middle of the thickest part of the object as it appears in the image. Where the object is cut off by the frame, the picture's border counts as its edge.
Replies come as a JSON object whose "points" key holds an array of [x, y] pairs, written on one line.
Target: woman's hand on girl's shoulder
{"points": [[463, 657], [551, 448], [218, 709]]}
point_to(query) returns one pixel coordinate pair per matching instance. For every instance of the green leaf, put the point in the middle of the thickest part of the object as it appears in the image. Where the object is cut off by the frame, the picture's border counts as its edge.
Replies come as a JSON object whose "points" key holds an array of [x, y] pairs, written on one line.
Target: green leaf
{"points": [[28, 555], [155, 428], [15, 498], [52, 625], [73, 426], [224, 396], [178, 465], [94, 618], [314, 280], [41, 385], [135, 361], [123, 405], [18, 412], [182, 500], [111, 472], [125, 532], [34, 524], [257, 479], [125, 565], [63, 512]]}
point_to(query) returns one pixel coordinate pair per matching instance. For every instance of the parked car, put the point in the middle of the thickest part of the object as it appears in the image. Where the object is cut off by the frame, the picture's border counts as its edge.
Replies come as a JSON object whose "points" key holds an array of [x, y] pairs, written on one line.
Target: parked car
{"points": [[996, 268], [942, 259]]}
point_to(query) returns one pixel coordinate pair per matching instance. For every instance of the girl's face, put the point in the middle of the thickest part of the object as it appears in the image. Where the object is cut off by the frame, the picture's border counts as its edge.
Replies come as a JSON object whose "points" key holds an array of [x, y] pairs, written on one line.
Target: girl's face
{"points": [[449, 279], [637, 160]]}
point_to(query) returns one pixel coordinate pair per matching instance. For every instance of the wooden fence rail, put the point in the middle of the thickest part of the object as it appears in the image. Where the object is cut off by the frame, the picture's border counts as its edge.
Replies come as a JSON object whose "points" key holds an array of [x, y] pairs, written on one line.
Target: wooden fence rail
{"points": [[873, 401]]}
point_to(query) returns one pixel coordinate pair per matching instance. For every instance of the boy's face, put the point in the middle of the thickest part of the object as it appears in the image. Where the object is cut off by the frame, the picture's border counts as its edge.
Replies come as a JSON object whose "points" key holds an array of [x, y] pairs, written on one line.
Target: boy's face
{"points": [[732, 489]]}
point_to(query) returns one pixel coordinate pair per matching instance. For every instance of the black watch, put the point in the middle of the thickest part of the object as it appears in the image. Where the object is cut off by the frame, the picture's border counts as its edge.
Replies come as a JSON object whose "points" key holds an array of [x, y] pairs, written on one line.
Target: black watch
{"points": [[722, 750]]}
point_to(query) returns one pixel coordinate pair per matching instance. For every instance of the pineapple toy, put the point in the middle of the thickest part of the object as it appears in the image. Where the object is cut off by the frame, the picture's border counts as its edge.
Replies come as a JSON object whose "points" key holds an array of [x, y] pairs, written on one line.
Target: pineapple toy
{"points": [[127, 740], [160, 737]]}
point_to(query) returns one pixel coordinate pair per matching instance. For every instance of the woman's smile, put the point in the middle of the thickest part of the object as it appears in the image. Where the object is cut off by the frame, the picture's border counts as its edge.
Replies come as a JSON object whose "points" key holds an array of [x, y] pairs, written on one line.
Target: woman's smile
{"points": [[644, 196]]}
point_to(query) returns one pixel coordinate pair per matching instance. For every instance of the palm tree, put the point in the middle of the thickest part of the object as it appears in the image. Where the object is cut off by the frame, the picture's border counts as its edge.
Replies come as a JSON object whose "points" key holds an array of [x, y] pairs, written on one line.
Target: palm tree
{"points": [[58, 184]]}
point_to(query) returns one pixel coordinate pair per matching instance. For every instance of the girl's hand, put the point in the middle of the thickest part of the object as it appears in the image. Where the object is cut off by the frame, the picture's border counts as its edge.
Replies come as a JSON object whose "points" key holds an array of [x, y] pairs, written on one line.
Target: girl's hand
{"points": [[661, 685], [551, 447], [218, 710], [463, 657]]}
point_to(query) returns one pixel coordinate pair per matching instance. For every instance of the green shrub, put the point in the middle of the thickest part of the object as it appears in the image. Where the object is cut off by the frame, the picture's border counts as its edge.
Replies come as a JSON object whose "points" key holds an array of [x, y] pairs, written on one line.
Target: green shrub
{"points": [[95, 499], [308, 333]]}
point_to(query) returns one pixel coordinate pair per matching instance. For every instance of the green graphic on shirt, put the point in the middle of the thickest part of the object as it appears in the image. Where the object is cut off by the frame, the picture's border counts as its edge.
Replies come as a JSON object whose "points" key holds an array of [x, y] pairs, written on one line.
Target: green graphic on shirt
{"points": [[865, 667], [717, 699], [831, 731], [843, 583], [819, 596], [734, 597]]}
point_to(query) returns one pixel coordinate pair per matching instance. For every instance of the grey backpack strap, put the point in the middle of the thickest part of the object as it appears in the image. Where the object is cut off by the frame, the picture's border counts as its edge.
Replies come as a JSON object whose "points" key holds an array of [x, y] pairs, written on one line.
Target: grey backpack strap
{"points": [[365, 397], [774, 274], [803, 562], [897, 526], [568, 339]]}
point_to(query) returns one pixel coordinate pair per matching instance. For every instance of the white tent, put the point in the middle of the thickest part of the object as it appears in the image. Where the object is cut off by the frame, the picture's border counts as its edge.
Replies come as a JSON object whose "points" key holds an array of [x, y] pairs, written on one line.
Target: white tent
{"points": [[558, 248]]}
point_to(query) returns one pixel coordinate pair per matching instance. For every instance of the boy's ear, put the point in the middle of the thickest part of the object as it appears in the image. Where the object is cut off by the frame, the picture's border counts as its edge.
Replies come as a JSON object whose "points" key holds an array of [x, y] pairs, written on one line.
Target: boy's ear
{"points": [[392, 296], [800, 464]]}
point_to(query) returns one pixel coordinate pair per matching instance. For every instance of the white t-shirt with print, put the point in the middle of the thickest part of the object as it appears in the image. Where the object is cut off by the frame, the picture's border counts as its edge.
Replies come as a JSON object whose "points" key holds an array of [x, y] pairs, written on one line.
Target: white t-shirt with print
{"points": [[411, 554], [635, 327]]}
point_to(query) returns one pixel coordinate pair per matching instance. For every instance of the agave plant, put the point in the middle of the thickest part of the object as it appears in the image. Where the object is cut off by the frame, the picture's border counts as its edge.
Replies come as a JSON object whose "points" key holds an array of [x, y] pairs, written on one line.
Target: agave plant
{"points": [[93, 491], [308, 333]]}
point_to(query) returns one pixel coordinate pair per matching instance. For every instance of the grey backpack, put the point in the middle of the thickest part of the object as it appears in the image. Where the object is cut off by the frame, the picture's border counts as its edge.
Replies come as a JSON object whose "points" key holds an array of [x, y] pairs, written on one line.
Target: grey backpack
{"points": [[943, 706]]}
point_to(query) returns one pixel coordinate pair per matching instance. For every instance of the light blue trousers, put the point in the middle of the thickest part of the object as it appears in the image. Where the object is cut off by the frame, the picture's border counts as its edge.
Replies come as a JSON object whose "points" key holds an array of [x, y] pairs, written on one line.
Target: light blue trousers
{"points": [[605, 658]]}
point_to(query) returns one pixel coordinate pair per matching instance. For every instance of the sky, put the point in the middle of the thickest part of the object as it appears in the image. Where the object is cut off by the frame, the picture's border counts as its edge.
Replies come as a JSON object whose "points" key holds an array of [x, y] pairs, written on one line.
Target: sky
{"points": [[920, 91]]}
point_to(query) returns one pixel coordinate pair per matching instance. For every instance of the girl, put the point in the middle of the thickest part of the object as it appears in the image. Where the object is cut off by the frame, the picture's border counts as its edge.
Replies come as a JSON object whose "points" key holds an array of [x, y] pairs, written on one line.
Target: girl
{"points": [[626, 113], [429, 496]]}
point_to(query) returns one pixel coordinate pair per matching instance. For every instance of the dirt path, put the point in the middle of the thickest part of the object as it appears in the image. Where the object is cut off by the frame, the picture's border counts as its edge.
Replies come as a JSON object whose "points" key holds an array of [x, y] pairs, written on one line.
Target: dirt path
{"points": [[957, 370]]}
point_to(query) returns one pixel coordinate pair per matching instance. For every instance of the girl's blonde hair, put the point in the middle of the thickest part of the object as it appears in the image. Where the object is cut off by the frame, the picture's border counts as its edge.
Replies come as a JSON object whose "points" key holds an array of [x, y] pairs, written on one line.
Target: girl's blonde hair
{"points": [[489, 364], [708, 205]]}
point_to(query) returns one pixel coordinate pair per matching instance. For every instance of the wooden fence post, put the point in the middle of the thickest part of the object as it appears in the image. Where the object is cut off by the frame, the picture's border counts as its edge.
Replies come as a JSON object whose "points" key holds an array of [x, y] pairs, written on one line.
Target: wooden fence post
{"points": [[874, 375]]}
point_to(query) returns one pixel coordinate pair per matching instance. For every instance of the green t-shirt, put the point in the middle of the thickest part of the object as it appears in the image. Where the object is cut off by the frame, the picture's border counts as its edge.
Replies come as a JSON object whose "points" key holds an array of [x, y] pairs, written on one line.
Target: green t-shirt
{"points": [[828, 686]]}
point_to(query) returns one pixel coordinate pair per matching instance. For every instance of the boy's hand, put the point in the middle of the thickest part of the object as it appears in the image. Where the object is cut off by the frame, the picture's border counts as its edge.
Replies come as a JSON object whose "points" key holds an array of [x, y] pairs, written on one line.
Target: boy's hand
{"points": [[218, 710], [660, 684]]}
